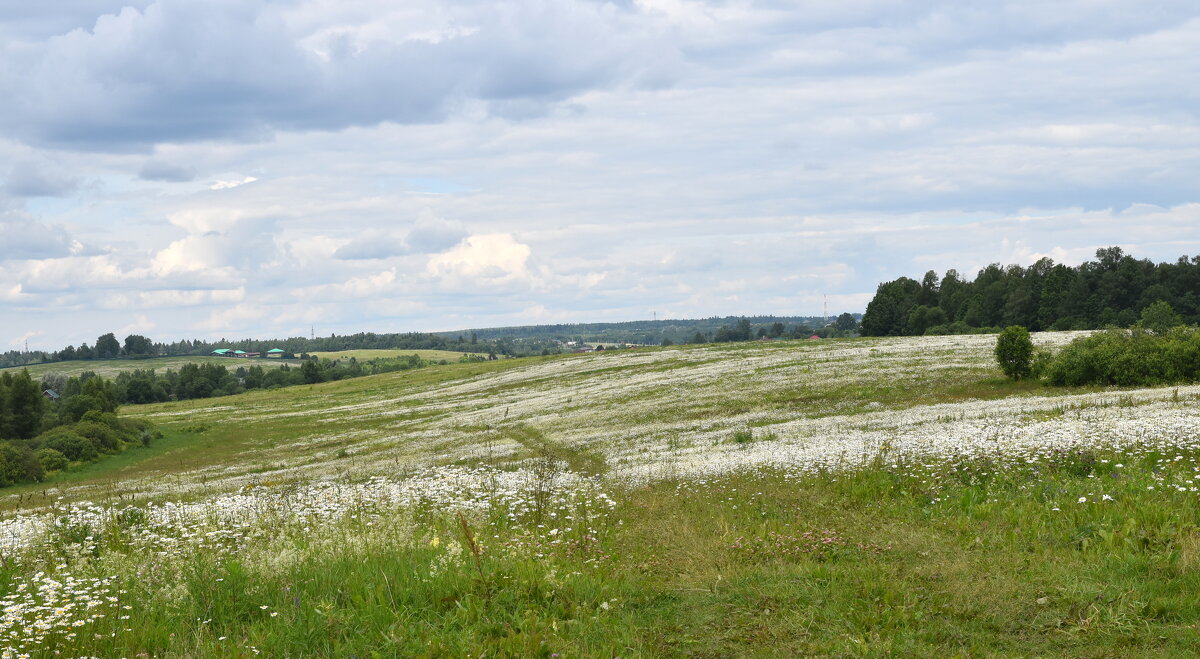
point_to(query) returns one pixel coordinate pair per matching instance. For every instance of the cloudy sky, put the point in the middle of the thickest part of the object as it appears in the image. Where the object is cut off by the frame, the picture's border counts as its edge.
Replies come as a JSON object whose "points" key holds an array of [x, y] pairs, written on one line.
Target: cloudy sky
{"points": [[223, 168]]}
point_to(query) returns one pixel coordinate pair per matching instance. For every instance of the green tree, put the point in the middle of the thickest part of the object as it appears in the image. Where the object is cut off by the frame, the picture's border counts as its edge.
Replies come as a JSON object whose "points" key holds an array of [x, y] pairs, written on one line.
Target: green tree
{"points": [[922, 318], [107, 347], [1159, 318], [26, 404], [1014, 352], [887, 313], [311, 371], [5, 406], [136, 344], [845, 323]]}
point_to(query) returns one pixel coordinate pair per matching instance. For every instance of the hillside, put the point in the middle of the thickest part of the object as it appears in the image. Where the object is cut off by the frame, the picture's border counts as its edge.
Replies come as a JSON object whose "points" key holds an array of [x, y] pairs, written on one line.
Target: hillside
{"points": [[844, 496]]}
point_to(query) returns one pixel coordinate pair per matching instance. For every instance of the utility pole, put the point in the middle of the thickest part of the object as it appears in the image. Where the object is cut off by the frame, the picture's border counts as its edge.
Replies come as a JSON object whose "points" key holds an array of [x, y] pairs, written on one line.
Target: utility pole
{"points": [[825, 309]]}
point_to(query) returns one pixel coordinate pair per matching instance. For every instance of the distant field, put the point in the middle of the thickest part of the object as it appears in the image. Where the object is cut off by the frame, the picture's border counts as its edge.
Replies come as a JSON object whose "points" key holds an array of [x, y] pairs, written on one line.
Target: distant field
{"points": [[363, 355], [110, 367]]}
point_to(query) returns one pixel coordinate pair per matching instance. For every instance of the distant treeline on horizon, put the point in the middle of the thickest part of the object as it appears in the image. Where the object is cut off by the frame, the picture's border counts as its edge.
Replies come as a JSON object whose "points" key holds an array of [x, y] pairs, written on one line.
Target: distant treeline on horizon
{"points": [[511, 341], [1110, 291]]}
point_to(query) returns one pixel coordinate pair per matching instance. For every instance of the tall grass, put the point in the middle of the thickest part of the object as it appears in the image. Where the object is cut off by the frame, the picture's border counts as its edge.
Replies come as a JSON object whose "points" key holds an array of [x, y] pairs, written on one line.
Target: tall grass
{"points": [[1088, 553]]}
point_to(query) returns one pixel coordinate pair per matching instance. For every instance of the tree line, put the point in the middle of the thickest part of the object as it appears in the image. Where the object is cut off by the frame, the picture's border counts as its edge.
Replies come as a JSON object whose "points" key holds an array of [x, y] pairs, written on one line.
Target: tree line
{"points": [[136, 346], [212, 380], [530, 339], [40, 435], [1112, 290]]}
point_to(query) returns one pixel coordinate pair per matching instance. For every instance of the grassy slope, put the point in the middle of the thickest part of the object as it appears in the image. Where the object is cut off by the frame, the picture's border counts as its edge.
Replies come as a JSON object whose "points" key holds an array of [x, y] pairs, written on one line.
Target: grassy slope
{"points": [[363, 355], [924, 562]]}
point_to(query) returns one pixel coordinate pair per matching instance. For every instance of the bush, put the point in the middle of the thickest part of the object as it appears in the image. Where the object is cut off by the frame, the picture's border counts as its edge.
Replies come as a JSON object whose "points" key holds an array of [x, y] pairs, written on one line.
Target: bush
{"points": [[1014, 352], [72, 445], [105, 439], [51, 459], [1128, 358], [1159, 318], [18, 464]]}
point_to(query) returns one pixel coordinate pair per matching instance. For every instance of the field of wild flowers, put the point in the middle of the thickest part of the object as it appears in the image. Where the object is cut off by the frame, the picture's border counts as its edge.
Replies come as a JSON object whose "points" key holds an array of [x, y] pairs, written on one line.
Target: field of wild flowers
{"points": [[845, 497]]}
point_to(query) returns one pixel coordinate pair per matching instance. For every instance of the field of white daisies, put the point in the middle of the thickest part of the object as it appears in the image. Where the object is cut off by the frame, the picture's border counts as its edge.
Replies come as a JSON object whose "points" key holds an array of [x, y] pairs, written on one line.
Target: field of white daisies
{"points": [[843, 497]]}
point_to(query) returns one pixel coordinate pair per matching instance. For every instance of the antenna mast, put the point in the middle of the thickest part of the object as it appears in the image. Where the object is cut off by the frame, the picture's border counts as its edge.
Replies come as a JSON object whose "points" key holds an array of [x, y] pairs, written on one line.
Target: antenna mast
{"points": [[825, 309]]}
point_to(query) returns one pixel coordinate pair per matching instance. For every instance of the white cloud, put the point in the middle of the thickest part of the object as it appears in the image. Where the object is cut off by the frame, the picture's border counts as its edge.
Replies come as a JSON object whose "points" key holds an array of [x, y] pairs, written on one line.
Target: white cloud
{"points": [[225, 185], [457, 161], [20, 340], [141, 325], [487, 259]]}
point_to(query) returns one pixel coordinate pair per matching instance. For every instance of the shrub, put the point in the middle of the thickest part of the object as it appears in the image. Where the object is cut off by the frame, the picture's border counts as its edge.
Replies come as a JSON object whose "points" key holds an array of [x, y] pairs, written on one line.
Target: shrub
{"points": [[51, 459], [1135, 357], [73, 446], [1014, 352], [1159, 318], [743, 436], [18, 464], [105, 439]]}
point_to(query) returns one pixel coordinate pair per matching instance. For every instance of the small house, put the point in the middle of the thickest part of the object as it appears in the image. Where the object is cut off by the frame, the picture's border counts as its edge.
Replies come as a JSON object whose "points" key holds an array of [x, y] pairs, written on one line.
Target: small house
{"points": [[275, 352], [221, 352], [51, 394]]}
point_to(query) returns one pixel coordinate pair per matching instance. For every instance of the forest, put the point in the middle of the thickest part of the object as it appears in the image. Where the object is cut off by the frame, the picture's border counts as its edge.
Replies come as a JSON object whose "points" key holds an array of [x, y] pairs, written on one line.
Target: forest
{"points": [[1111, 291], [40, 435]]}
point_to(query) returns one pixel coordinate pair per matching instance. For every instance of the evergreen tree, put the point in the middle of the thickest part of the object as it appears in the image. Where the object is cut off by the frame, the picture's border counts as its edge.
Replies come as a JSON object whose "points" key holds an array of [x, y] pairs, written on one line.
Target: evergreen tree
{"points": [[26, 404]]}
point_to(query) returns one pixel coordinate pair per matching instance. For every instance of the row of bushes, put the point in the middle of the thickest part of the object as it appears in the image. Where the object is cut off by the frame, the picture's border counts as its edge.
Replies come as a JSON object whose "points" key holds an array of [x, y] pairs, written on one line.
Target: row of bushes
{"points": [[57, 449], [1126, 358]]}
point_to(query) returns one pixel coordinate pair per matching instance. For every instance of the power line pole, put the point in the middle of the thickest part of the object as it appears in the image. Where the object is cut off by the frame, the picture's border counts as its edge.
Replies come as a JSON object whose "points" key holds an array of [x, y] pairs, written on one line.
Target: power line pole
{"points": [[825, 309]]}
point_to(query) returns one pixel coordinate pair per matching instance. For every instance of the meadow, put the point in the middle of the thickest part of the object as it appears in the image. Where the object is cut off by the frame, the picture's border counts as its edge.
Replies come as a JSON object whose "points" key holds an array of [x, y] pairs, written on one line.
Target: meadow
{"points": [[391, 353], [845, 497]]}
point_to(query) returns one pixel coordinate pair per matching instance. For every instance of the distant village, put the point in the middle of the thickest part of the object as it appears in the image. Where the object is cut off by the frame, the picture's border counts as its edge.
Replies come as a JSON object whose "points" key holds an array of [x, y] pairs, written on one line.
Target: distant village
{"points": [[275, 353]]}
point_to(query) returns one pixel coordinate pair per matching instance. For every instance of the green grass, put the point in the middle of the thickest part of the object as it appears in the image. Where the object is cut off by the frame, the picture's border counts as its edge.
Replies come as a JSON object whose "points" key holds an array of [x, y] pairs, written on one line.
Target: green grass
{"points": [[934, 562], [992, 556]]}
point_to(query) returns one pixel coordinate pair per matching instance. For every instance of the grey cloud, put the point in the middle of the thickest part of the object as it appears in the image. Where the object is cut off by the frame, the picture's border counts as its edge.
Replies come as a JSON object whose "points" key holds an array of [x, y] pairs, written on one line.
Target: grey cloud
{"points": [[25, 238], [184, 71], [30, 179], [155, 170], [30, 21], [428, 235], [432, 234], [372, 244]]}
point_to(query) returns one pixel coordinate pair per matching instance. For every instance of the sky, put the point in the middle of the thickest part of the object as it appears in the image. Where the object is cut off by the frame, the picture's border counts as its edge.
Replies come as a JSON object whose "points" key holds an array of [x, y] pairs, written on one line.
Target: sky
{"points": [[222, 168]]}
